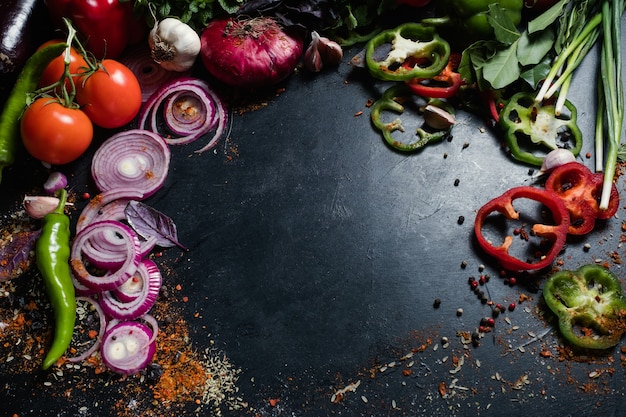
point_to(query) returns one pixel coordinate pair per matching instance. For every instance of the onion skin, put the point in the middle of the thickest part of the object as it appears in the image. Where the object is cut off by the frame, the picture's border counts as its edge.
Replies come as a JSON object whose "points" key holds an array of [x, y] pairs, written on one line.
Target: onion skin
{"points": [[249, 52]]}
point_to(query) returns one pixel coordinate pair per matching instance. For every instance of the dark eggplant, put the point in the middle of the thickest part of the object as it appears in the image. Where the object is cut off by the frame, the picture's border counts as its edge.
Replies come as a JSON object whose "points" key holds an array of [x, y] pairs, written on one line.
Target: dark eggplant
{"points": [[23, 27]]}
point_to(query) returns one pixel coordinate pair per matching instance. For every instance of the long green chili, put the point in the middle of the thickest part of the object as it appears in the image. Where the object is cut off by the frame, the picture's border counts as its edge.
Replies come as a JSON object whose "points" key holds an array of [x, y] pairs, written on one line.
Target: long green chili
{"points": [[52, 253]]}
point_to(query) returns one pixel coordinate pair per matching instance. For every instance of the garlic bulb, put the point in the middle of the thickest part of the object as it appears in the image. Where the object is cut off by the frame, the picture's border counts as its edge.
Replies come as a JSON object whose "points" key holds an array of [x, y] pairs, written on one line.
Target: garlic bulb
{"points": [[174, 45]]}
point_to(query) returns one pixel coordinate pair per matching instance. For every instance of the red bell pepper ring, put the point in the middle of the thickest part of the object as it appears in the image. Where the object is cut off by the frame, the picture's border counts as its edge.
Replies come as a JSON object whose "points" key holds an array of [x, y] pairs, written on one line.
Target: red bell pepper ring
{"points": [[443, 85], [580, 190], [556, 233]]}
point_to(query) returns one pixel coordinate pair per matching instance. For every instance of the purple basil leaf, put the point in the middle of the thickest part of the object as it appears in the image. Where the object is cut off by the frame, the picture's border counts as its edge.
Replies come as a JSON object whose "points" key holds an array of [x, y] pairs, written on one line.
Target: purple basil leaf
{"points": [[15, 255], [149, 222]]}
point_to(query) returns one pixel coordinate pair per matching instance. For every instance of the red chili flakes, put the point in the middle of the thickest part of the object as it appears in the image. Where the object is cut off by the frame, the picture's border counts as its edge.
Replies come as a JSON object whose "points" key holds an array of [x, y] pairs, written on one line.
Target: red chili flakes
{"points": [[357, 114], [443, 389], [273, 401]]}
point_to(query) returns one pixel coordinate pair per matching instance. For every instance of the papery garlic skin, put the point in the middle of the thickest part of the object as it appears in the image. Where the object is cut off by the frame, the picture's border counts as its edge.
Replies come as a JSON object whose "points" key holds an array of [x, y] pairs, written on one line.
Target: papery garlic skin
{"points": [[321, 52], [174, 45], [38, 206]]}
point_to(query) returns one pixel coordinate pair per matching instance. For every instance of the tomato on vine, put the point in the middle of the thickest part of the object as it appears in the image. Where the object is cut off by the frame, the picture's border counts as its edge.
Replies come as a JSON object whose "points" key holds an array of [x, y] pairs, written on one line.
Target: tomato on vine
{"points": [[54, 133], [109, 94], [56, 68]]}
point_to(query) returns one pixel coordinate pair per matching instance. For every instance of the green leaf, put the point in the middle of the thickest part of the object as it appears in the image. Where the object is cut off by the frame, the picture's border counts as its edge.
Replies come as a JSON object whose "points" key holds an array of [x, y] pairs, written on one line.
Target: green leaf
{"points": [[504, 29], [230, 6], [547, 18], [536, 73], [503, 68], [532, 48]]}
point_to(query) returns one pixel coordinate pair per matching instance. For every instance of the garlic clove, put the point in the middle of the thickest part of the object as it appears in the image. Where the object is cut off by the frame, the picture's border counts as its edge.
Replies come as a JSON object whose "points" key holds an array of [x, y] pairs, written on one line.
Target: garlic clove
{"points": [[555, 158], [312, 57], [38, 206], [438, 118], [330, 51]]}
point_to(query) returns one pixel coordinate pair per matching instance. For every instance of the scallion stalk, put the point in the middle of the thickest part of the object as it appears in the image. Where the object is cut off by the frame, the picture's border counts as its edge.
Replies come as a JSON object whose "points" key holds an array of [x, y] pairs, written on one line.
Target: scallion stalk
{"points": [[612, 91]]}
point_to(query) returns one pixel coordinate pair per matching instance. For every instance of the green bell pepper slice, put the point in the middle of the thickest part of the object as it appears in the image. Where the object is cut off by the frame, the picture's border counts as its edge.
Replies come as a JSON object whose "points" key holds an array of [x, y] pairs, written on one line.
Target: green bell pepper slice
{"points": [[589, 304], [526, 122], [416, 51], [389, 101]]}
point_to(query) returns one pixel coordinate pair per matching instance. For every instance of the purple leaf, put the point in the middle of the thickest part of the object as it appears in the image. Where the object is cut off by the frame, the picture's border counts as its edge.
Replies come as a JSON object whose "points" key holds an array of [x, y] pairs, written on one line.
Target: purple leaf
{"points": [[148, 222], [15, 254]]}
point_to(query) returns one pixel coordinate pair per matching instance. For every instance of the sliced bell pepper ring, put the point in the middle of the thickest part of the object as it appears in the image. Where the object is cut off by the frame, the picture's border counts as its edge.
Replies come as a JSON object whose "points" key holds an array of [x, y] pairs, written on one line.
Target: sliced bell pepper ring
{"points": [[389, 101], [556, 233], [537, 123], [580, 190], [443, 85], [590, 306], [416, 51]]}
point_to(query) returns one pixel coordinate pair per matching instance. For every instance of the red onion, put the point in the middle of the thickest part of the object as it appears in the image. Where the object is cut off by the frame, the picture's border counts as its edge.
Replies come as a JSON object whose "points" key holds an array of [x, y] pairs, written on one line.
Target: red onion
{"points": [[102, 327], [136, 159], [114, 277], [110, 205], [150, 74], [128, 346], [190, 109], [142, 297], [247, 53], [56, 181]]}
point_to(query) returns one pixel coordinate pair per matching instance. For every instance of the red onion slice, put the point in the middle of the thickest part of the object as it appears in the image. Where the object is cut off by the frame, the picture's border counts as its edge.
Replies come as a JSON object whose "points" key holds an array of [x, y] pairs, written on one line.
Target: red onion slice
{"points": [[136, 159], [127, 347], [115, 277], [146, 297], [151, 76], [209, 112], [110, 205]]}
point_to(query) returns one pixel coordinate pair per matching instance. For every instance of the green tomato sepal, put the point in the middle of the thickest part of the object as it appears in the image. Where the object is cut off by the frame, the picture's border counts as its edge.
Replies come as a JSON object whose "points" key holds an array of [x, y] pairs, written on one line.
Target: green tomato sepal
{"points": [[590, 306], [416, 51]]}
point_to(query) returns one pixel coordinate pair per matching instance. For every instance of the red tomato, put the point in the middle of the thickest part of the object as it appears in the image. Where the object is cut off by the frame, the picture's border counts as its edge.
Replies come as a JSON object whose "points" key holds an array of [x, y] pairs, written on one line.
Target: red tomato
{"points": [[111, 96], [55, 69], [53, 133]]}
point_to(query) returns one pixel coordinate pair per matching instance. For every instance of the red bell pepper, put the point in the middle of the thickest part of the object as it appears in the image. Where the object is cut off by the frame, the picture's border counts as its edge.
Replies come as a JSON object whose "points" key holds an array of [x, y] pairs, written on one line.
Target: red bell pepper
{"points": [[106, 26], [580, 190], [555, 233], [443, 85]]}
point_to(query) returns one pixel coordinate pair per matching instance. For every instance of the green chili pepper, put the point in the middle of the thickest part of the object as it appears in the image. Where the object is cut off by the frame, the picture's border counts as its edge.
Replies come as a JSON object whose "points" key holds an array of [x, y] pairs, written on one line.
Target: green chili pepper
{"points": [[532, 127], [590, 306], [52, 252], [389, 102], [416, 52], [14, 106]]}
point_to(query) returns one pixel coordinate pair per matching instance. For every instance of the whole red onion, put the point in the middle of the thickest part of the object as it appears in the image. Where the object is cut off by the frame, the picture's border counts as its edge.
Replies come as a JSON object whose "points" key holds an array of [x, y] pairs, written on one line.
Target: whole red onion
{"points": [[254, 52]]}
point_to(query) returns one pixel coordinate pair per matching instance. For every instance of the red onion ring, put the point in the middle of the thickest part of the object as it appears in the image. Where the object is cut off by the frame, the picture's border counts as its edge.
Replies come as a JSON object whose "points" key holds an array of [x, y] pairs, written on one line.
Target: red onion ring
{"points": [[136, 159], [110, 205], [151, 75], [87, 353], [144, 300], [212, 115], [127, 347], [114, 277]]}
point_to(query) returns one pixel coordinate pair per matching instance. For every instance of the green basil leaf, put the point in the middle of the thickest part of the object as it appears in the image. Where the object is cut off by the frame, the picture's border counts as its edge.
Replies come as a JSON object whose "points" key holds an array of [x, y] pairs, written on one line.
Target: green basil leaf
{"points": [[547, 18], [504, 29], [532, 48], [503, 68], [536, 73]]}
